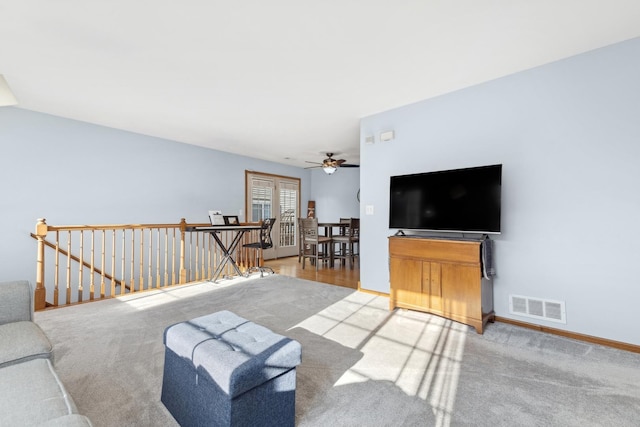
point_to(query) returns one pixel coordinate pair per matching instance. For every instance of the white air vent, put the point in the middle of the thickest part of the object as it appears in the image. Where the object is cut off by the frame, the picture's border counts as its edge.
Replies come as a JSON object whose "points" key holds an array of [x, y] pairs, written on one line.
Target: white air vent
{"points": [[537, 308]]}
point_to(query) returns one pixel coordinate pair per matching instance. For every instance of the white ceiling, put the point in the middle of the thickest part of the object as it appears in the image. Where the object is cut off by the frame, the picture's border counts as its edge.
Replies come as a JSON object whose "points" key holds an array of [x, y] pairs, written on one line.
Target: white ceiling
{"points": [[280, 78]]}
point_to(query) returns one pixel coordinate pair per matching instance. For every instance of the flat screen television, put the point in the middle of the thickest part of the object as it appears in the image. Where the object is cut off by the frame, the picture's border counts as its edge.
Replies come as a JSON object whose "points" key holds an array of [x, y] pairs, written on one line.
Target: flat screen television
{"points": [[459, 200]]}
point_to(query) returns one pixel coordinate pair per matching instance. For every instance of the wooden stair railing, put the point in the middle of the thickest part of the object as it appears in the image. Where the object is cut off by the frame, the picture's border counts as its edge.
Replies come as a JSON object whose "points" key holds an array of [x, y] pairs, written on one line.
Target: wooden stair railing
{"points": [[116, 259]]}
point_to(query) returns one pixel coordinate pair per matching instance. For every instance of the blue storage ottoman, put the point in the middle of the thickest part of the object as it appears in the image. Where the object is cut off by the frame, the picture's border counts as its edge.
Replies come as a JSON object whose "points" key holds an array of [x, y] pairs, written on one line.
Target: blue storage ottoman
{"points": [[222, 370]]}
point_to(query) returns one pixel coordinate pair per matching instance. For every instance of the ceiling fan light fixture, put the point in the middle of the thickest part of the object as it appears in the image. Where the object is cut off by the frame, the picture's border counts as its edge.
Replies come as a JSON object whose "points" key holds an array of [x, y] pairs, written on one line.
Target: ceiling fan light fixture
{"points": [[329, 169]]}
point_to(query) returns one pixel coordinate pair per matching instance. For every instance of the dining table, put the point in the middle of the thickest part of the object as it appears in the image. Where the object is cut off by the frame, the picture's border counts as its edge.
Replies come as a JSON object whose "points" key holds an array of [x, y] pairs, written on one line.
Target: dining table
{"points": [[329, 227], [328, 232]]}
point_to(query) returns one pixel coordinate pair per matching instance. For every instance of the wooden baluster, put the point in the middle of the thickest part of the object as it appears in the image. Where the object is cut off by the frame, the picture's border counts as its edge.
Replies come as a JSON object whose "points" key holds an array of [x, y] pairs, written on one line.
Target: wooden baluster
{"points": [[183, 271], [173, 258], [122, 264], [206, 270], [92, 287], [132, 279], [246, 252], [103, 266], [158, 258], [193, 254], [81, 266], [187, 256], [200, 256], [204, 261], [113, 263], [141, 270], [149, 263], [210, 244], [201, 259], [254, 255], [225, 238], [197, 259], [68, 293], [193, 265], [259, 255], [40, 294], [228, 238], [203, 256], [230, 271], [56, 277], [166, 257]]}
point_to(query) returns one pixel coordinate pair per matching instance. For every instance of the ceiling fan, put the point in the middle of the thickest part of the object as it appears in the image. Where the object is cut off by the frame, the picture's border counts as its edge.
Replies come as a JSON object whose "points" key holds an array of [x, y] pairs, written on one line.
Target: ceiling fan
{"points": [[330, 165]]}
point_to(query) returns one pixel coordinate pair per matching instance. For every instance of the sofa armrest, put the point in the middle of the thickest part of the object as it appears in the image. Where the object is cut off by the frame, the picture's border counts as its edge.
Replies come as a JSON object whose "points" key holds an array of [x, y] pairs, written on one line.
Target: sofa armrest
{"points": [[16, 301]]}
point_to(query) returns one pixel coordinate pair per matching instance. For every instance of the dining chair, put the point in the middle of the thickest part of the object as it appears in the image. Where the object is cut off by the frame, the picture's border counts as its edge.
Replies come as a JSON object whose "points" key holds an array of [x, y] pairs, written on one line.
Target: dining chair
{"points": [[343, 229], [349, 242], [302, 248], [319, 247], [265, 242]]}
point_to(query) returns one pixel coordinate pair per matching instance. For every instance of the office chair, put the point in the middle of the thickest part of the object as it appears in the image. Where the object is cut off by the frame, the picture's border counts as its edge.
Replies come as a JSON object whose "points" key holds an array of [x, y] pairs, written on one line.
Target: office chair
{"points": [[264, 243]]}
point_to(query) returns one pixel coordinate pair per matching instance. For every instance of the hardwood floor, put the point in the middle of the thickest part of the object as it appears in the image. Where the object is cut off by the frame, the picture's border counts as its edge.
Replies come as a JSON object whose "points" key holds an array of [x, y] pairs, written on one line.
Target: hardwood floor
{"points": [[339, 275]]}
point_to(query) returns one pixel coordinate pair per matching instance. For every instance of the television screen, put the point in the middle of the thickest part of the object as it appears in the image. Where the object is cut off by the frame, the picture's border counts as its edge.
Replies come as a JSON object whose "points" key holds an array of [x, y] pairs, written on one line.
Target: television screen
{"points": [[462, 200]]}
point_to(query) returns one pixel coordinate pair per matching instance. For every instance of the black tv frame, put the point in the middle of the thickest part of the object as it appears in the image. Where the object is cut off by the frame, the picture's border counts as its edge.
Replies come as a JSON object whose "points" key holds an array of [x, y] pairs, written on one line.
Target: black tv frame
{"points": [[466, 200]]}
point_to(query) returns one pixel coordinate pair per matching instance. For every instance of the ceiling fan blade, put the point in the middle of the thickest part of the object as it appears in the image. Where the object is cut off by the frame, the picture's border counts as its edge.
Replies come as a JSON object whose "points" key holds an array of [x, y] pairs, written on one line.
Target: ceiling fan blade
{"points": [[330, 162]]}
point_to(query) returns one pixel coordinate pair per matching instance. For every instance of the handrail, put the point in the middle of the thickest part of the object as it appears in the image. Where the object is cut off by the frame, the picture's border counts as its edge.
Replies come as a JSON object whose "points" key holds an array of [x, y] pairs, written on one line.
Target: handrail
{"points": [[76, 259], [115, 259]]}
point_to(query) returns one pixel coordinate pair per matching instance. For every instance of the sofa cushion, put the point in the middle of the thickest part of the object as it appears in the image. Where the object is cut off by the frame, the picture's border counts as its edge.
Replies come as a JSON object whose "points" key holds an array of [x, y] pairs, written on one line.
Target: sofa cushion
{"points": [[16, 303], [27, 340], [32, 394]]}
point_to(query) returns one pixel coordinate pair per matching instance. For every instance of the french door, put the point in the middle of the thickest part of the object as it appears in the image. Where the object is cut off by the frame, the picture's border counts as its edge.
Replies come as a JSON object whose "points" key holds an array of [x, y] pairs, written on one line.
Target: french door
{"points": [[274, 196]]}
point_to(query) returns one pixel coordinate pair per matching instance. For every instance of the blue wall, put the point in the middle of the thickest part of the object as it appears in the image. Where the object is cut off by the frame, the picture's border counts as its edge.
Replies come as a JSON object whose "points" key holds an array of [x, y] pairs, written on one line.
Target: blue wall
{"points": [[71, 172], [336, 195], [568, 136]]}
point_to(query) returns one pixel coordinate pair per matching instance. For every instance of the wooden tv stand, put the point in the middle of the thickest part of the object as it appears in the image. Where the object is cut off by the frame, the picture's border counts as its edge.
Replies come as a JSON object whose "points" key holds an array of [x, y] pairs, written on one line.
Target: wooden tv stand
{"points": [[442, 277]]}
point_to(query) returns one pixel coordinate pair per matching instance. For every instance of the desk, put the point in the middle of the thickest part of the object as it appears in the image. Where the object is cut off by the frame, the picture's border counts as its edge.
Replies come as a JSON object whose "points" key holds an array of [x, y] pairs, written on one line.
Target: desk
{"points": [[214, 230]]}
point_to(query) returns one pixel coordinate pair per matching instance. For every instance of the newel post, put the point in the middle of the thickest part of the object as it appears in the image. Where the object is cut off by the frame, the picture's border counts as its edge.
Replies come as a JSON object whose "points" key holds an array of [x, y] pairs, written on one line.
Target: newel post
{"points": [[40, 295], [183, 271]]}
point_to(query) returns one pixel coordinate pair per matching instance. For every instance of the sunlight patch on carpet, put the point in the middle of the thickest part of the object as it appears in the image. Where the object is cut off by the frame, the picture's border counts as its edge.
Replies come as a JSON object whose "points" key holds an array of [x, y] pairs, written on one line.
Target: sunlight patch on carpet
{"points": [[155, 298], [418, 352]]}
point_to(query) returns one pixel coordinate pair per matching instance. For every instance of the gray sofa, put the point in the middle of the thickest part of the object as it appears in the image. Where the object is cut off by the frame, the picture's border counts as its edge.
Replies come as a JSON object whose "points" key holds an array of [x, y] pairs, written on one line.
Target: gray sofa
{"points": [[32, 394]]}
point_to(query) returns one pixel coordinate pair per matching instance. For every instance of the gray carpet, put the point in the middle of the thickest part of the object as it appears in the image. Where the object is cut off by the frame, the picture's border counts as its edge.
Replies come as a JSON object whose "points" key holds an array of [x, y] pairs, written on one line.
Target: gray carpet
{"points": [[362, 365]]}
